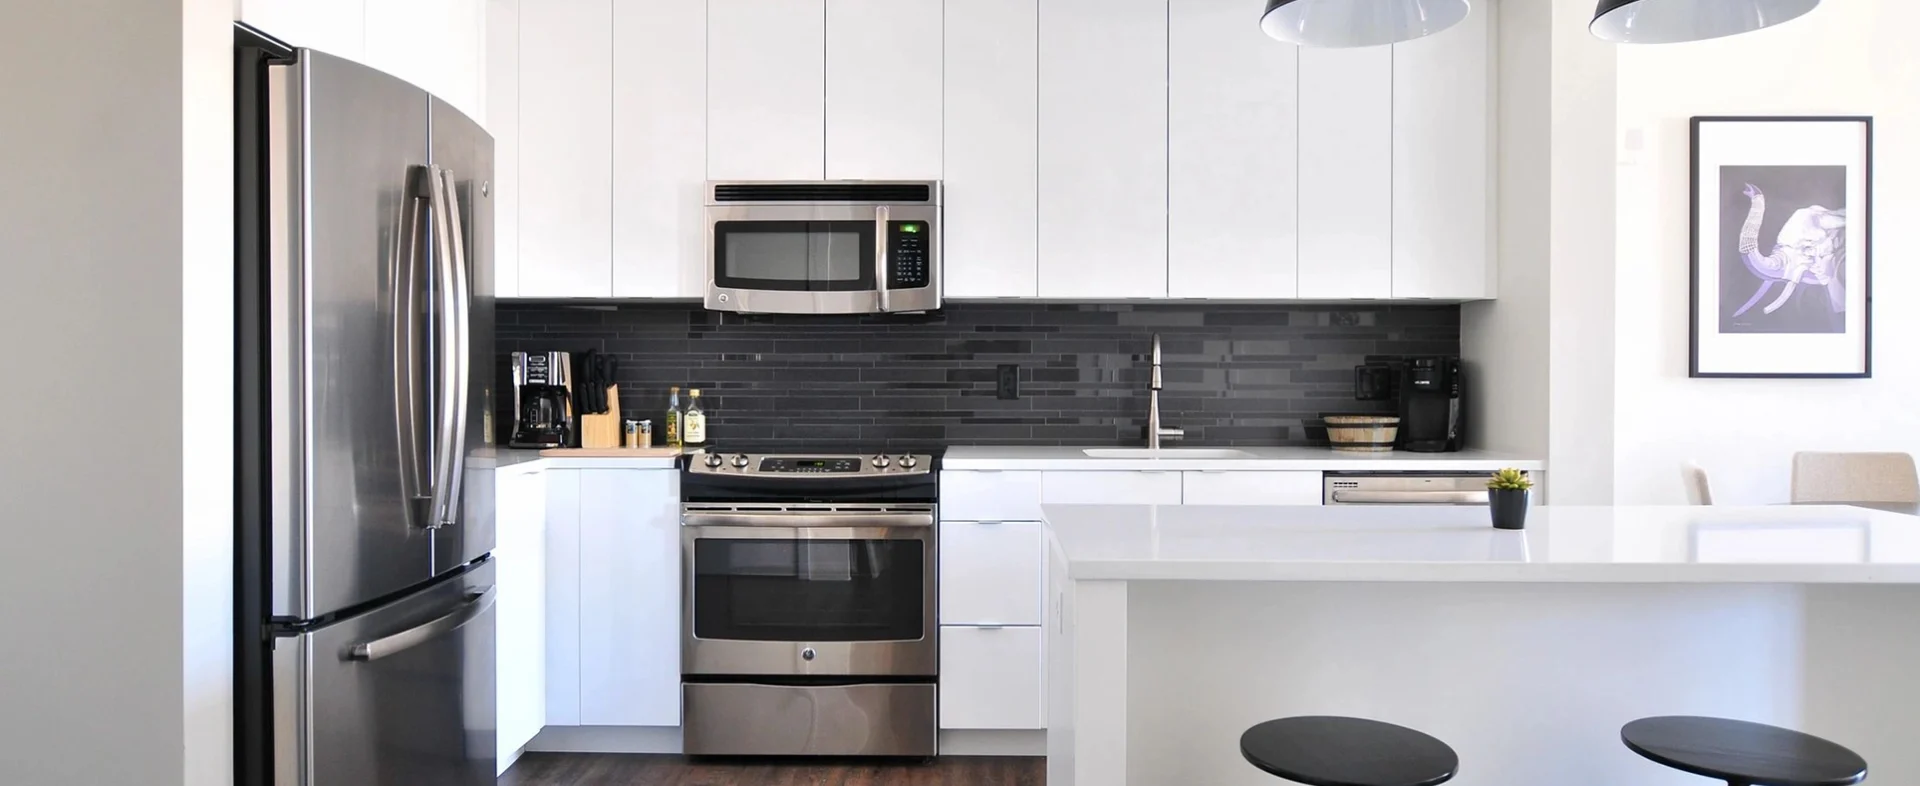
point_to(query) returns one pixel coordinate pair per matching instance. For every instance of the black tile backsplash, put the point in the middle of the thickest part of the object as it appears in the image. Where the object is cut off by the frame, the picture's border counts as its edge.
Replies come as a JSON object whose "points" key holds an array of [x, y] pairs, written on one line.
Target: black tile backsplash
{"points": [[1234, 374]]}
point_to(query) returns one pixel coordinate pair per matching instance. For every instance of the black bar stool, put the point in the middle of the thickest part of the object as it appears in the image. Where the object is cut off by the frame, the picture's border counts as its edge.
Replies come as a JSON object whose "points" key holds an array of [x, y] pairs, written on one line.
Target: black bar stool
{"points": [[1743, 753], [1334, 751]]}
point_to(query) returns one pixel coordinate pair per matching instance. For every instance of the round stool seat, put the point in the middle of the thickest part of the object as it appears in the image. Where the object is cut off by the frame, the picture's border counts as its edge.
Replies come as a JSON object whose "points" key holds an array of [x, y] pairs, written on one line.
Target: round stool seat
{"points": [[1743, 753], [1333, 751]]}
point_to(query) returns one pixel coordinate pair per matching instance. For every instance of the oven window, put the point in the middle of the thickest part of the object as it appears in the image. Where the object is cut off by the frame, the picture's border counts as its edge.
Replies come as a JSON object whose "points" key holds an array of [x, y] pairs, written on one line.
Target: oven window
{"points": [[794, 256], [800, 590]]}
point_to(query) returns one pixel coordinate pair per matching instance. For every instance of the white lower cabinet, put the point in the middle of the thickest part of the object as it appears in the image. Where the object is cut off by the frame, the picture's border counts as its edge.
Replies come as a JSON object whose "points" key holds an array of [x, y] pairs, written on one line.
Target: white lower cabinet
{"points": [[629, 597], [563, 596], [1133, 487], [992, 572], [1227, 487], [989, 495], [990, 677], [613, 597], [520, 638]]}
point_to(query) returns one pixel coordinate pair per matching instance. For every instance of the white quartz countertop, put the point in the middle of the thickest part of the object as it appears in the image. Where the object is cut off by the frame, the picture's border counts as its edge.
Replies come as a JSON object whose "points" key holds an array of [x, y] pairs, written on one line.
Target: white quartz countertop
{"points": [[532, 461], [1314, 459], [1776, 544]]}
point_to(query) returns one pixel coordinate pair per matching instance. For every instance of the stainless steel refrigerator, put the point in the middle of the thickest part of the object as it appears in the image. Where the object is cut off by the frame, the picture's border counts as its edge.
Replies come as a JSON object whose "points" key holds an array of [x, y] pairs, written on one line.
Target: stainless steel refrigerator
{"points": [[364, 358]]}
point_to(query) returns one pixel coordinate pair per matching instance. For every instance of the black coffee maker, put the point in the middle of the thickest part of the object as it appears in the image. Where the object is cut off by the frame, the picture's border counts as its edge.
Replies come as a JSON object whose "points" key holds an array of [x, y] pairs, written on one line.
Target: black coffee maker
{"points": [[1431, 405], [542, 400]]}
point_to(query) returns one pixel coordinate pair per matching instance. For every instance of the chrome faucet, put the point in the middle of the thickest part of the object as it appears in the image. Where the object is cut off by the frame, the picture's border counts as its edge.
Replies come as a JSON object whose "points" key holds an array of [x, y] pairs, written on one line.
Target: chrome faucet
{"points": [[1154, 430]]}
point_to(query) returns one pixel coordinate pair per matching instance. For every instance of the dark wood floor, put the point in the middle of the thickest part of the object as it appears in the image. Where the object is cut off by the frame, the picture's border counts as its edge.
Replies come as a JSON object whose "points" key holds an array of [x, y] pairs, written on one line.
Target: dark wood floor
{"points": [[607, 769]]}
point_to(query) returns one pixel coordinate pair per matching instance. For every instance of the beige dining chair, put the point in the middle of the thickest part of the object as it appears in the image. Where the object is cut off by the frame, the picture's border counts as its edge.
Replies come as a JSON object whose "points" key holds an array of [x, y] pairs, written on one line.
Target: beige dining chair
{"points": [[1699, 492], [1854, 477]]}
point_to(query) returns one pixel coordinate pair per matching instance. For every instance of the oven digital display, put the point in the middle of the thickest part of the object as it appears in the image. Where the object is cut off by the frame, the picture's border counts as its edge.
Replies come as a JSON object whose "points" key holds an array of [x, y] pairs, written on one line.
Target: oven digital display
{"points": [[811, 465]]}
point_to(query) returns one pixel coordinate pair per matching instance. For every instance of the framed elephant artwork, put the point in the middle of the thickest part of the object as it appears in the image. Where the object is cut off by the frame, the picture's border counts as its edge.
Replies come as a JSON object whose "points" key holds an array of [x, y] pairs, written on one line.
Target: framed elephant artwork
{"points": [[1782, 233]]}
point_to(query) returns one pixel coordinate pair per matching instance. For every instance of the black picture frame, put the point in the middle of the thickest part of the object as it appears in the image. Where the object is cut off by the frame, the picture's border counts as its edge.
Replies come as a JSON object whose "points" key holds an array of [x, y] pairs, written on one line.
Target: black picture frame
{"points": [[1862, 213]]}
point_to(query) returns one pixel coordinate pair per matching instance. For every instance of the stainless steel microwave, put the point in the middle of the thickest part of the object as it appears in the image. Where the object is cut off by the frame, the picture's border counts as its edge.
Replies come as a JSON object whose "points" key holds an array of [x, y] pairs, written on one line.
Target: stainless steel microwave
{"points": [[834, 247]]}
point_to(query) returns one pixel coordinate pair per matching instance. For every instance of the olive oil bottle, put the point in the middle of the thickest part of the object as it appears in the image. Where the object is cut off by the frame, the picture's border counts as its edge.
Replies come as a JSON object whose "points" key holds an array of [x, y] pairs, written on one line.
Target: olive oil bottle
{"points": [[673, 425], [693, 424]]}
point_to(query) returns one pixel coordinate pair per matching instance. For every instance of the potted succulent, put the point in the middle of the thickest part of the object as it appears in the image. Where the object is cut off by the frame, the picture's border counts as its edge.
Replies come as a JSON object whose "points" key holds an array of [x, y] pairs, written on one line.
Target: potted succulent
{"points": [[1507, 493]]}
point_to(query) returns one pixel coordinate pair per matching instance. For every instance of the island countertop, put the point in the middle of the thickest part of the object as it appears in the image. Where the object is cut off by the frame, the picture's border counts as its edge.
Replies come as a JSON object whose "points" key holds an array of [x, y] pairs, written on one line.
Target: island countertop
{"points": [[1625, 544], [1181, 457]]}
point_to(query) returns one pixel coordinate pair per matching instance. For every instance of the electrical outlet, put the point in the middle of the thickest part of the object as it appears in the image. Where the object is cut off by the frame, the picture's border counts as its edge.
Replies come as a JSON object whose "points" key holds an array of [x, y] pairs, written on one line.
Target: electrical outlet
{"points": [[1007, 385]]}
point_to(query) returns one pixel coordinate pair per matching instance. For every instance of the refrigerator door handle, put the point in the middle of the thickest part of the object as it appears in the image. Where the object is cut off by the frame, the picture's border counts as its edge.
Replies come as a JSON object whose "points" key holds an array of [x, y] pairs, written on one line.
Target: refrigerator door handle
{"points": [[462, 333], [385, 646], [448, 422], [406, 285]]}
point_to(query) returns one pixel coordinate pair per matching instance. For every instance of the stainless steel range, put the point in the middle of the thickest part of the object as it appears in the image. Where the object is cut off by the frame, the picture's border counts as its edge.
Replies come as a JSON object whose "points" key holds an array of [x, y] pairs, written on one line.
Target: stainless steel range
{"points": [[808, 623]]}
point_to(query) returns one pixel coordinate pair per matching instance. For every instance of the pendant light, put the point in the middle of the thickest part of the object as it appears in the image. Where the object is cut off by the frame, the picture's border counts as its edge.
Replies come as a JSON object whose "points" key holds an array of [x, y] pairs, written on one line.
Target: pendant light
{"points": [[1674, 21], [1349, 23]]}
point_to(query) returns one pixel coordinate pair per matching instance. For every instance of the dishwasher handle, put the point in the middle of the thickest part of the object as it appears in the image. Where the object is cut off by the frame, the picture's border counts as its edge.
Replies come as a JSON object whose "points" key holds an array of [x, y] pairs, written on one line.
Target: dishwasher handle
{"points": [[1351, 497]]}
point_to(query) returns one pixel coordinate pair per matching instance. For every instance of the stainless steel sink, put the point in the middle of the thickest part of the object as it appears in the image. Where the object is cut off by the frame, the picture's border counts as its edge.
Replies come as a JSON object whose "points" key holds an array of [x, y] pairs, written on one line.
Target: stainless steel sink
{"points": [[1168, 453]]}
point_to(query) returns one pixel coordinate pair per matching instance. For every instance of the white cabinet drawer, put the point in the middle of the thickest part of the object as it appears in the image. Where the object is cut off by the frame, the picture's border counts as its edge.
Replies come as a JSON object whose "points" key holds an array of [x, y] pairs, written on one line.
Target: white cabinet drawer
{"points": [[1111, 488], [992, 573], [1251, 488], [990, 678], [990, 496]]}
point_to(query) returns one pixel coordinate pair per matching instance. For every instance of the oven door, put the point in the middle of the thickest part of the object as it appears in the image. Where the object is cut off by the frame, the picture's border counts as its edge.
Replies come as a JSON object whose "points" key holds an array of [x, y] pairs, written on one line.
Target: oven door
{"points": [[784, 591]]}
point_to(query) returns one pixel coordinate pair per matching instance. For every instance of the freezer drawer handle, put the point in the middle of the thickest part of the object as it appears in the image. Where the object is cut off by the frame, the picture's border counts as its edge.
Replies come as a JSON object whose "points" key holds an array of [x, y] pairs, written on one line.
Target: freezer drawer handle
{"points": [[477, 604]]}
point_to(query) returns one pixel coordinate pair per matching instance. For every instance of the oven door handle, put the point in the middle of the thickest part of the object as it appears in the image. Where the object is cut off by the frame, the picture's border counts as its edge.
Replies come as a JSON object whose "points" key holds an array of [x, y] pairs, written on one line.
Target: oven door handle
{"points": [[788, 521], [923, 534]]}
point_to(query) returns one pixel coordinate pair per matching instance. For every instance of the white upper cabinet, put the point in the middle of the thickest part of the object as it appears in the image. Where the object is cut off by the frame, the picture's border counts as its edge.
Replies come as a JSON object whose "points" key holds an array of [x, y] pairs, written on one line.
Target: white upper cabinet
{"points": [[436, 44], [503, 122], [336, 28], [1103, 149], [883, 89], [766, 89], [566, 148], [1233, 149], [659, 148], [1346, 173], [1442, 171], [992, 137]]}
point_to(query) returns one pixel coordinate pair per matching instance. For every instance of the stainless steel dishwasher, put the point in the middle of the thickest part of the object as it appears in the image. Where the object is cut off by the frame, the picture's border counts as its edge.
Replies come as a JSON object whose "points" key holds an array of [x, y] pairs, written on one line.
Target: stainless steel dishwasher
{"points": [[1405, 488]]}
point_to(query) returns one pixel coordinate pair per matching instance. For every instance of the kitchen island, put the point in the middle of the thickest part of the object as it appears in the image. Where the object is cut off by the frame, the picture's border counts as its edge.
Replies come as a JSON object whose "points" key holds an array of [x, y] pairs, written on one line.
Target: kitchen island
{"points": [[1176, 628]]}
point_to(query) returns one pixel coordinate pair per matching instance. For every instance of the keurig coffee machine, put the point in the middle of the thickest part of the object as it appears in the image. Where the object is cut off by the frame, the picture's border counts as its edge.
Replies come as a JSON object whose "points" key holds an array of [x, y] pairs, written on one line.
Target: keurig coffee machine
{"points": [[1430, 405], [542, 400]]}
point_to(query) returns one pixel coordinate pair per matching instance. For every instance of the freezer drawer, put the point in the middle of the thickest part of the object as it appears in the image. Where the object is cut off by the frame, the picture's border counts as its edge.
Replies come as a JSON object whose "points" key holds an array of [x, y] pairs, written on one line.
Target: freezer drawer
{"points": [[401, 694], [748, 719]]}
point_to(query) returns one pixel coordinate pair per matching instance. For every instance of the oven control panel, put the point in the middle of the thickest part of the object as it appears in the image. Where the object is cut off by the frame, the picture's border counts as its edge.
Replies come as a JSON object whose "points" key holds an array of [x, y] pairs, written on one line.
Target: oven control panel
{"points": [[842, 466], [829, 466]]}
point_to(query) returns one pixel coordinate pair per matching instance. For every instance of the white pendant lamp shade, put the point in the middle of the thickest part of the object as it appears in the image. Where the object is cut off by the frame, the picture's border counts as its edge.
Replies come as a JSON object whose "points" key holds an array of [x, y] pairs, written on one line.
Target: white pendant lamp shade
{"points": [[1349, 23], [1674, 21]]}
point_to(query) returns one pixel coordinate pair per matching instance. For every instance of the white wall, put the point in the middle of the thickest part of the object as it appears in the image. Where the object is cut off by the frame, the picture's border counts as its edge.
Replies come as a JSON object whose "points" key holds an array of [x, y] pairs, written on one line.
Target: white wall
{"points": [[1581, 342], [1852, 57], [205, 441], [1542, 354], [115, 247], [1504, 341]]}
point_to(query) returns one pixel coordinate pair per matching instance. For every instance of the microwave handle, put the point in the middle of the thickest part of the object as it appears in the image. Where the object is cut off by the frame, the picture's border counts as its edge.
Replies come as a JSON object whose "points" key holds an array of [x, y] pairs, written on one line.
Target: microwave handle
{"points": [[881, 269]]}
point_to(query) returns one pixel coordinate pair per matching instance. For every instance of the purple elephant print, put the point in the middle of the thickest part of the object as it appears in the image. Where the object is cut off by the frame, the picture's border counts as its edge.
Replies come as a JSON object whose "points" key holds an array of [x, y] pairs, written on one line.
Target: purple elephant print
{"points": [[1811, 250]]}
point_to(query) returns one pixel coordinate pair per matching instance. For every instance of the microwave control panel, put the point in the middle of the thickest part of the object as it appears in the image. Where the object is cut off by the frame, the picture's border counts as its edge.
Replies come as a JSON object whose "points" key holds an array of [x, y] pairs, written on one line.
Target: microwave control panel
{"points": [[909, 243]]}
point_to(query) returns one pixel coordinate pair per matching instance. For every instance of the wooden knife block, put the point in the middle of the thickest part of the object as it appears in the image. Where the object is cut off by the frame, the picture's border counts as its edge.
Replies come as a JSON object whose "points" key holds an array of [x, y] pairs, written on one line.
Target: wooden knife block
{"points": [[603, 431]]}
